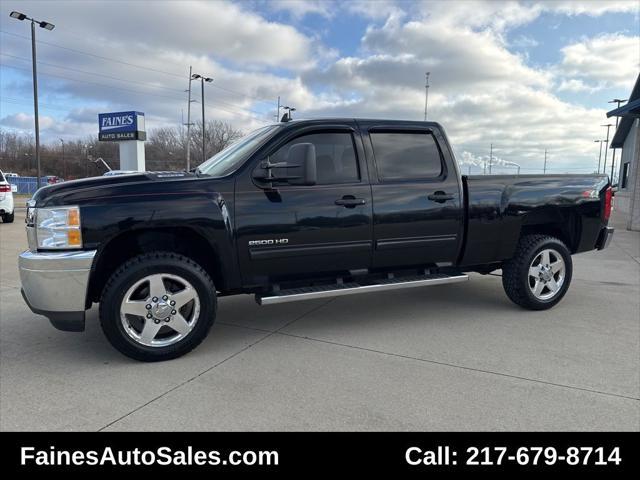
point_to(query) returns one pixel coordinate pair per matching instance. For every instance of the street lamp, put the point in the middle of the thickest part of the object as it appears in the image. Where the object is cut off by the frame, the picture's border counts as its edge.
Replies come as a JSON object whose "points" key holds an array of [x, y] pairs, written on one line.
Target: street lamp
{"points": [[617, 101], [289, 110], [606, 148], [46, 26], [203, 79], [599, 156]]}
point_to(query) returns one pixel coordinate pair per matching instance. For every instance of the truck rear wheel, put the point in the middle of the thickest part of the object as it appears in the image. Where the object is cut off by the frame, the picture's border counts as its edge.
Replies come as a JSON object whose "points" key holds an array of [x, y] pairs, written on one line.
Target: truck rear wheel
{"points": [[8, 217], [539, 274], [157, 306]]}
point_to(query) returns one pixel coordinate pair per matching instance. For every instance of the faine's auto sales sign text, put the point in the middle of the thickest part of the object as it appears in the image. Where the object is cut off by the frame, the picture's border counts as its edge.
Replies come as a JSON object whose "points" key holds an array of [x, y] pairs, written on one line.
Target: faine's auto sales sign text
{"points": [[120, 126]]}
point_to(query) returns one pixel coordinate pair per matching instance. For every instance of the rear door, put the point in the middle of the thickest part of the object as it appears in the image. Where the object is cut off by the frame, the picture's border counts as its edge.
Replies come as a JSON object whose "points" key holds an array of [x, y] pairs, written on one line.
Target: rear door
{"points": [[418, 211], [293, 231]]}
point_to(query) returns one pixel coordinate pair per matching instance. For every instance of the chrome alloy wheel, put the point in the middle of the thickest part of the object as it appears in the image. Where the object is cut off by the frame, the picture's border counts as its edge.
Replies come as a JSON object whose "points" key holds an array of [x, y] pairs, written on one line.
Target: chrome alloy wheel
{"points": [[546, 274], [159, 310]]}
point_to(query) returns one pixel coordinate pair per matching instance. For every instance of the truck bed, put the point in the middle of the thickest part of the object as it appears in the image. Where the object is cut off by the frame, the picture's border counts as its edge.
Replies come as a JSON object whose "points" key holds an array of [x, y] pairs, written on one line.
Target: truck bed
{"points": [[498, 207]]}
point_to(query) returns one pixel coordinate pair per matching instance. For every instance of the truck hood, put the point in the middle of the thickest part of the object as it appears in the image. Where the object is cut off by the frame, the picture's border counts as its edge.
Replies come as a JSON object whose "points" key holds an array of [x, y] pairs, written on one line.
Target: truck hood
{"points": [[96, 186]]}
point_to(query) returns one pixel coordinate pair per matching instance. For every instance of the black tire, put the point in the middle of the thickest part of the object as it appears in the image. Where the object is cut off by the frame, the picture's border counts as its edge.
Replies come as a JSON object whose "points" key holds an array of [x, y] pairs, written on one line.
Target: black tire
{"points": [[8, 217], [515, 272], [133, 271]]}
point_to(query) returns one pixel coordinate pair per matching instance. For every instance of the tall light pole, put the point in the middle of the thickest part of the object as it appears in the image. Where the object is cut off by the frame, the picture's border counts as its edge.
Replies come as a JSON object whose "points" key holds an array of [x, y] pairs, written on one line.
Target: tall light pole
{"points": [[426, 94], [490, 157], [617, 101], [278, 111], [64, 162], [599, 156], [544, 169], [189, 121], [606, 148], [46, 26], [203, 79]]}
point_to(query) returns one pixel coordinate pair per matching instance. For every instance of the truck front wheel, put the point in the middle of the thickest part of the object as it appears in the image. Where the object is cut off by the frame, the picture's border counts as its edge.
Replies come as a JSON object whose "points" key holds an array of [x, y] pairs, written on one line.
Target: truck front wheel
{"points": [[539, 274], [157, 306]]}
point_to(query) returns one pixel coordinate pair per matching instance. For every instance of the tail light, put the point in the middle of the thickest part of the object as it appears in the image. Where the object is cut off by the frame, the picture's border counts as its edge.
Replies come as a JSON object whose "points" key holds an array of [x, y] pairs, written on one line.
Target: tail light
{"points": [[608, 194], [5, 188]]}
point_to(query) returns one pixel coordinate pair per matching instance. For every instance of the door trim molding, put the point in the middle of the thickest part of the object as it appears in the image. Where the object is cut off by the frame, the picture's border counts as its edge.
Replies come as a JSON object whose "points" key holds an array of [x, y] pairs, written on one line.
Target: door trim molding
{"points": [[403, 242], [288, 251]]}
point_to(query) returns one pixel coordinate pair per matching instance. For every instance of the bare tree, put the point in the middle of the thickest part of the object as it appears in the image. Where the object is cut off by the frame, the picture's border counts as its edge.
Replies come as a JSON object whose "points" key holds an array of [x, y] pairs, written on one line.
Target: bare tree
{"points": [[166, 149]]}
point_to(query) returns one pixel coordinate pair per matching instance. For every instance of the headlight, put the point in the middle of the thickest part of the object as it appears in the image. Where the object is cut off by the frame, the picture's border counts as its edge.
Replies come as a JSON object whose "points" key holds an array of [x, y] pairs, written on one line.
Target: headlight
{"points": [[58, 228]]}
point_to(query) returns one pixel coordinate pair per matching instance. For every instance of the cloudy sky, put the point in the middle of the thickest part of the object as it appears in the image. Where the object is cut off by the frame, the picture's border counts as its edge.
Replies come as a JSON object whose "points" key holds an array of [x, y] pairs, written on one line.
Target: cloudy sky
{"points": [[524, 76]]}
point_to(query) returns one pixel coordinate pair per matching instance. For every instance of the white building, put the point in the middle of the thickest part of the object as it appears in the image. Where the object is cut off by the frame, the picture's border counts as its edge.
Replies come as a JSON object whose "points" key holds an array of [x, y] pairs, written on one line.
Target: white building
{"points": [[627, 137]]}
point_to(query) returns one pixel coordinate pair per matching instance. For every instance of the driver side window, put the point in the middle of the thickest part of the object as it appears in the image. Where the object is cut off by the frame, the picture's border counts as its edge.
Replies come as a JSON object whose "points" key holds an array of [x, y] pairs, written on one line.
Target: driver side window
{"points": [[336, 159]]}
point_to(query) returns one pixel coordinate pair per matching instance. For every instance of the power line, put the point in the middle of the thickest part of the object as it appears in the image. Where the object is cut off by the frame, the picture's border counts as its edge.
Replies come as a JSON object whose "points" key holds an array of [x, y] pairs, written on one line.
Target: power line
{"points": [[93, 55], [130, 90], [92, 73], [131, 64], [91, 83]]}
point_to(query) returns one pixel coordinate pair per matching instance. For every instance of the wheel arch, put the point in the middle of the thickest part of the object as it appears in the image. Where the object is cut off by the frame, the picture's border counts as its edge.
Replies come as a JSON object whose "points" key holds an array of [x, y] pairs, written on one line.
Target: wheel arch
{"points": [[563, 224], [181, 240]]}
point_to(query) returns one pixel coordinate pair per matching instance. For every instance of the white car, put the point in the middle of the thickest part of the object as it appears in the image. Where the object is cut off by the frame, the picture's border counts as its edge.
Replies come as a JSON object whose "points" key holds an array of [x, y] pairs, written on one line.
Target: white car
{"points": [[6, 200]]}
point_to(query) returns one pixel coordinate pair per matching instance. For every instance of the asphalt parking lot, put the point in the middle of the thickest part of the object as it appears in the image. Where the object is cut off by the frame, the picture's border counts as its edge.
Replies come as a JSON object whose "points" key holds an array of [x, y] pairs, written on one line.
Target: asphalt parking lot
{"points": [[457, 357]]}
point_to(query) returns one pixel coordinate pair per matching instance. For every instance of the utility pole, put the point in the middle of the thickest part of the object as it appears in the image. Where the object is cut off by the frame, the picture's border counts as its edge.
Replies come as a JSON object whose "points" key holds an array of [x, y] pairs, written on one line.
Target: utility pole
{"points": [[204, 126], [64, 162], [490, 157], [606, 149], [617, 101], [544, 169], [189, 122], [426, 95], [278, 111], [599, 156]]}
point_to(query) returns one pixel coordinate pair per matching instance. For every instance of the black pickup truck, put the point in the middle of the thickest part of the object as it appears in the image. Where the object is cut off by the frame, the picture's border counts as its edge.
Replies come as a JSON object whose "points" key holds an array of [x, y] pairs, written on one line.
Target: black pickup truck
{"points": [[295, 211]]}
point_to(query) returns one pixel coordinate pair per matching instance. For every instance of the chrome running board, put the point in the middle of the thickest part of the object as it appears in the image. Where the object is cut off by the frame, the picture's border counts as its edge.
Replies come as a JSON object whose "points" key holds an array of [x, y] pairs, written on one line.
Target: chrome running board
{"points": [[336, 290]]}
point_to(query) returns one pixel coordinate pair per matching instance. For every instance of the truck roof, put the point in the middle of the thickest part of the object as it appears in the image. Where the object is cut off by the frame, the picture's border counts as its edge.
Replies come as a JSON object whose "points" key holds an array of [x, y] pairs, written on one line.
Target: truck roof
{"points": [[387, 121]]}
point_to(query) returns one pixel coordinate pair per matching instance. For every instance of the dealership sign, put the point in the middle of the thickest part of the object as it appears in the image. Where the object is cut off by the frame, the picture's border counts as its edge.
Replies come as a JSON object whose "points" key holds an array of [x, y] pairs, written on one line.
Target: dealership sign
{"points": [[120, 126]]}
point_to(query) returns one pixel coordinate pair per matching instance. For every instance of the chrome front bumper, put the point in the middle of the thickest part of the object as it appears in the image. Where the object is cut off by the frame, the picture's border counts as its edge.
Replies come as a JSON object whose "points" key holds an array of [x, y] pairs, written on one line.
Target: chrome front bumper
{"points": [[54, 284]]}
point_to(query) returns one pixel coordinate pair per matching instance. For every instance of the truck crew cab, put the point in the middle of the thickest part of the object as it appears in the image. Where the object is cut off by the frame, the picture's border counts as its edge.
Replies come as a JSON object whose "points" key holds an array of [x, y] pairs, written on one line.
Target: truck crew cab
{"points": [[296, 211]]}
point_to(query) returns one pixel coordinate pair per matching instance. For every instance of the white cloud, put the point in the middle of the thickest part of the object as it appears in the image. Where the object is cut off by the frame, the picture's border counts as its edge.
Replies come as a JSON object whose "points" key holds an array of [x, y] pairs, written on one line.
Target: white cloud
{"points": [[576, 86], [613, 60], [301, 8], [18, 120], [481, 91], [524, 41], [592, 8], [22, 121], [219, 29]]}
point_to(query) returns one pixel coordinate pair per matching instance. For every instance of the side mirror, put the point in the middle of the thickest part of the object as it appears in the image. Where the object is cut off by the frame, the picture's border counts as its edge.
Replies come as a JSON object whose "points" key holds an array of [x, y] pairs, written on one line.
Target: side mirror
{"points": [[299, 169], [302, 156]]}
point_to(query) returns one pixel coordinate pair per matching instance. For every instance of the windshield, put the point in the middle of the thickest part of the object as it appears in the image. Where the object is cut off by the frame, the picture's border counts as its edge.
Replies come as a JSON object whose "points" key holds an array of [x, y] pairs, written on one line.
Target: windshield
{"points": [[227, 160]]}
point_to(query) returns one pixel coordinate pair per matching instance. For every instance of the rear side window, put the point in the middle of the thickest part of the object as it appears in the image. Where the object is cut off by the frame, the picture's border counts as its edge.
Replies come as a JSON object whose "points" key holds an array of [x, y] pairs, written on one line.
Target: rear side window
{"points": [[406, 156], [1, 177], [336, 160]]}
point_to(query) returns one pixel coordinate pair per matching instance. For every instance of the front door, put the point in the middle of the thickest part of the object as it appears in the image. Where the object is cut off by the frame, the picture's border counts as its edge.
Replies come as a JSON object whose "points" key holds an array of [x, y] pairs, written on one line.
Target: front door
{"points": [[288, 231], [418, 214]]}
